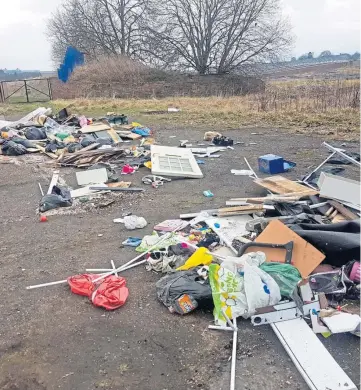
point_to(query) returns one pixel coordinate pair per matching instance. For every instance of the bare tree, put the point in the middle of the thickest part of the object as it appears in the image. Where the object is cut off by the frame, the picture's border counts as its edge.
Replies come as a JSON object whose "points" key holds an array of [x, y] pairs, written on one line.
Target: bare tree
{"points": [[219, 36], [98, 27], [208, 36]]}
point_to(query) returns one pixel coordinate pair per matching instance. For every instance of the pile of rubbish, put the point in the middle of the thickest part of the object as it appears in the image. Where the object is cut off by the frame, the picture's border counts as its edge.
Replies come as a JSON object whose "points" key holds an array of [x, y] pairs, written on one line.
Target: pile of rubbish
{"points": [[289, 259]]}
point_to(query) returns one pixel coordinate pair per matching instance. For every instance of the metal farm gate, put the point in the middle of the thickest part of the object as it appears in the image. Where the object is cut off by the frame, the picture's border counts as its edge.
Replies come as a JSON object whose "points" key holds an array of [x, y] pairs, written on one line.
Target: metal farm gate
{"points": [[25, 91]]}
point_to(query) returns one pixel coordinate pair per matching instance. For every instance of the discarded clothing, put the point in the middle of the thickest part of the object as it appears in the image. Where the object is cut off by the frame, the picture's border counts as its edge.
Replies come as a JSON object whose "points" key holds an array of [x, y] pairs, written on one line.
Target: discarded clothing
{"points": [[340, 242], [164, 263], [151, 240], [143, 131]]}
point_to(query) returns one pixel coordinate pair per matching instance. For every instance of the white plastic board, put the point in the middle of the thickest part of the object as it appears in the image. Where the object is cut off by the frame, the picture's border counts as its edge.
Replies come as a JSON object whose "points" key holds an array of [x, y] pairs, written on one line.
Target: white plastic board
{"points": [[92, 176], [340, 188], [171, 161], [316, 365]]}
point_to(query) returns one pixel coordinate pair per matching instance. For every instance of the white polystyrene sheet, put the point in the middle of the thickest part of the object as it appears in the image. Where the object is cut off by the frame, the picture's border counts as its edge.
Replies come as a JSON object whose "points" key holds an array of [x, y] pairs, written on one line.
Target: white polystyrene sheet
{"points": [[316, 365], [342, 322]]}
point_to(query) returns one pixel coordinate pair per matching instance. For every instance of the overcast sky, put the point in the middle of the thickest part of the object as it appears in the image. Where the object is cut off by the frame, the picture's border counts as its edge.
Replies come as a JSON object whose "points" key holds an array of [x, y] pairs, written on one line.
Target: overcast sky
{"points": [[317, 25]]}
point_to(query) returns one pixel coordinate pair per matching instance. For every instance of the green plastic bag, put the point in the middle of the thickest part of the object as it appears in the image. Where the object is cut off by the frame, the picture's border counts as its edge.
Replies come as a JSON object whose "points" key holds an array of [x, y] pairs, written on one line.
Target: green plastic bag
{"points": [[286, 276]]}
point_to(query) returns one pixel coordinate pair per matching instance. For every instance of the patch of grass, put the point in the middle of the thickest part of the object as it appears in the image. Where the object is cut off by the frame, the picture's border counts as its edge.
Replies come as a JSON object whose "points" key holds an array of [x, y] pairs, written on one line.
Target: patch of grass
{"points": [[327, 107]]}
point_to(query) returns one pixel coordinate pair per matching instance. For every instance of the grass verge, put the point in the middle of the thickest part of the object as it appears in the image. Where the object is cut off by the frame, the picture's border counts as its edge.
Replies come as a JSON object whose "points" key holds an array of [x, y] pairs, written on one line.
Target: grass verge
{"points": [[213, 112]]}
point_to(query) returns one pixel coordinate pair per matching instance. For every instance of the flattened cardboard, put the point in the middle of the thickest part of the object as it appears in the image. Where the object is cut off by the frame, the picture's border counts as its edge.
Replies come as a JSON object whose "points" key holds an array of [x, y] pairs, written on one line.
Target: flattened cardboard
{"points": [[305, 257]]}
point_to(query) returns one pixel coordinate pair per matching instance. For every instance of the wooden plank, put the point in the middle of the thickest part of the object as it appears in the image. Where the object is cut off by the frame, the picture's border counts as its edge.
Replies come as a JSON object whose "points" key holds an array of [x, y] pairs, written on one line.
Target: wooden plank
{"points": [[53, 182], [282, 185], [261, 199], [93, 128], [305, 257], [339, 188], [316, 365], [349, 215], [248, 208]]}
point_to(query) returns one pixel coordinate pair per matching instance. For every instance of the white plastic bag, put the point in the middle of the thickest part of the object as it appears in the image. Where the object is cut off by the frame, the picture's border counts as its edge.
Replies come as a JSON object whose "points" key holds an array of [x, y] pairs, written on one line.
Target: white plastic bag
{"points": [[260, 288], [132, 222]]}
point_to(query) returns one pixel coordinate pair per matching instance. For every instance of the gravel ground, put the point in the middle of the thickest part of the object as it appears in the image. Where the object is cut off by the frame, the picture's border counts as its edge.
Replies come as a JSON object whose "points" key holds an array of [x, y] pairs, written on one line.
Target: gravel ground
{"points": [[52, 339]]}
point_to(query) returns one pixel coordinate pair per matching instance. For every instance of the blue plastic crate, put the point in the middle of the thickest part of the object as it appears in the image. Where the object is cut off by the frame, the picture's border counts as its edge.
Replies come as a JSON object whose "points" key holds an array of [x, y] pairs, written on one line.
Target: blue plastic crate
{"points": [[270, 163]]}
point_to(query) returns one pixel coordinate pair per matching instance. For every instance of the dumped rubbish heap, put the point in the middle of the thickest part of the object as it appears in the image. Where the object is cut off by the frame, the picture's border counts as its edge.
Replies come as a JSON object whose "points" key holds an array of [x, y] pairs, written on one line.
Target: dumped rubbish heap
{"points": [[289, 259]]}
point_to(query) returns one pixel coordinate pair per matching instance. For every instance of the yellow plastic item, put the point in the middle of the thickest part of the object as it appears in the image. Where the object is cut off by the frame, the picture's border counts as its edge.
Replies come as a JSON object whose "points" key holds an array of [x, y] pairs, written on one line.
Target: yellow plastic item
{"points": [[68, 140], [199, 257], [148, 164], [136, 124]]}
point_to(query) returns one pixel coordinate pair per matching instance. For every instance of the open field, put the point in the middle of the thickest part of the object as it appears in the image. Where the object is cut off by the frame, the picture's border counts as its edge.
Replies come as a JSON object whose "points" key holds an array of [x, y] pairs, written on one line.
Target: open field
{"points": [[316, 106]]}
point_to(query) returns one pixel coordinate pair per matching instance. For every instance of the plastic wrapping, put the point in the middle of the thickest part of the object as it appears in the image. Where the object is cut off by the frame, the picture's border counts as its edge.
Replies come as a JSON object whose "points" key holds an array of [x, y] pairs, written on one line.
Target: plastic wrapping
{"points": [[10, 148], [35, 133], [241, 293], [172, 287], [285, 275], [60, 197], [328, 282]]}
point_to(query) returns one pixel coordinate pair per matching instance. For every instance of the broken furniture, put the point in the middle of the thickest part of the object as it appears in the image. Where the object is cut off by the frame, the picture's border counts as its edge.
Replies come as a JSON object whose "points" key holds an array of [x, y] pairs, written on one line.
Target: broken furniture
{"points": [[171, 161], [305, 257]]}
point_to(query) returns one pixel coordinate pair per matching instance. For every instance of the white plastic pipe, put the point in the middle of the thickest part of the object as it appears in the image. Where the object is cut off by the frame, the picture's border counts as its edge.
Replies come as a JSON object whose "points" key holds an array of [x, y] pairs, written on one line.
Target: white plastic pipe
{"points": [[234, 356], [46, 284], [121, 268], [219, 327]]}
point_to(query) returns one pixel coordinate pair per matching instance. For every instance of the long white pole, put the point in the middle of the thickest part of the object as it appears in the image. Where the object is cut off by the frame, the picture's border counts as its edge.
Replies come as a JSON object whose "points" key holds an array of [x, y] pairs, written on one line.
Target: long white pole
{"points": [[121, 268], [234, 355]]}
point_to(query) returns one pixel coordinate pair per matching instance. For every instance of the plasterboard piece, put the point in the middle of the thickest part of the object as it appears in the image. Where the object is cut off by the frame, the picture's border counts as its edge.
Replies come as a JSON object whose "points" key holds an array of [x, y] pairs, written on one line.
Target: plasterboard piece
{"points": [[316, 365], [341, 188], [174, 162], [92, 176]]}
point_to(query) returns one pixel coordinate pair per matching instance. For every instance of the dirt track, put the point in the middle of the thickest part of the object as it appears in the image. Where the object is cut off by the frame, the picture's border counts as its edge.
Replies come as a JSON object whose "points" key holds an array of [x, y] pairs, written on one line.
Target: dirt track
{"points": [[52, 339]]}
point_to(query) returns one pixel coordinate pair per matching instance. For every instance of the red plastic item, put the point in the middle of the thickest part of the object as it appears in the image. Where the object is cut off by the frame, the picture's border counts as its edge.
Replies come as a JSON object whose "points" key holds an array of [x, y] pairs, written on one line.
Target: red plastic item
{"points": [[82, 284], [43, 218], [127, 170], [109, 293]]}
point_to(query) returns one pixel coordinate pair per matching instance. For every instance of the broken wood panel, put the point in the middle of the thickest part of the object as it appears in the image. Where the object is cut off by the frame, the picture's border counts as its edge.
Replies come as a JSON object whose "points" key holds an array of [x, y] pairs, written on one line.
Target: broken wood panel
{"points": [[349, 215], [305, 257], [93, 128], [249, 208], [282, 185]]}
